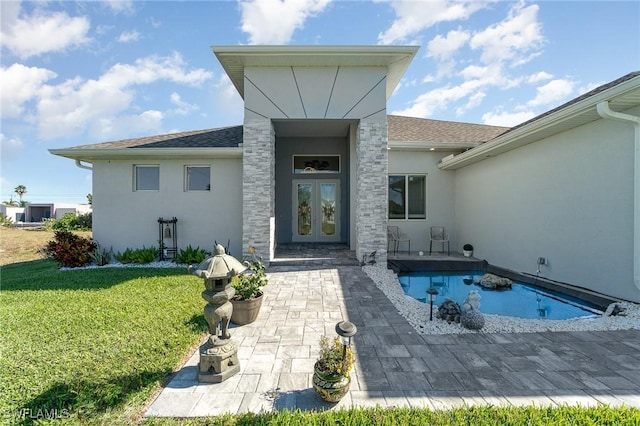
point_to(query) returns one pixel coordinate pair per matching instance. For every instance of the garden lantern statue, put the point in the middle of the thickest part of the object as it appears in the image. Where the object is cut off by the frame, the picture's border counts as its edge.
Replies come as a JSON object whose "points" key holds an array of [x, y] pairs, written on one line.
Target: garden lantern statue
{"points": [[432, 292], [346, 330], [219, 354]]}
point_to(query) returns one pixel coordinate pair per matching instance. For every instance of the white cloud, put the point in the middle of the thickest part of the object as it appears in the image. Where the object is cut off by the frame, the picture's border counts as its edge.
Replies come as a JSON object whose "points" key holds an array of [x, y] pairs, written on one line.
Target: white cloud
{"points": [[552, 93], [507, 119], [129, 36], [42, 32], [20, 84], [444, 47], [120, 6], [101, 107], [274, 21], [182, 107], [539, 76], [515, 39], [9, 146], [415, 16]]}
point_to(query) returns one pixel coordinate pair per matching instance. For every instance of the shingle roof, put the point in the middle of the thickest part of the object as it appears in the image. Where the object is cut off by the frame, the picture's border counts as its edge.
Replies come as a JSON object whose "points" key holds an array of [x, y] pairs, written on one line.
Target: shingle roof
{"points": [[408, 129], [222, 137], [412, 129]]}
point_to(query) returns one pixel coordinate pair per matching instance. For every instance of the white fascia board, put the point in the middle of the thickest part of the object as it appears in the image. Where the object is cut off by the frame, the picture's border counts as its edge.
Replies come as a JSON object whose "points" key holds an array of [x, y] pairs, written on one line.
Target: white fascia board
{"points": [[88, 155], [527, 134], [430, 146]]}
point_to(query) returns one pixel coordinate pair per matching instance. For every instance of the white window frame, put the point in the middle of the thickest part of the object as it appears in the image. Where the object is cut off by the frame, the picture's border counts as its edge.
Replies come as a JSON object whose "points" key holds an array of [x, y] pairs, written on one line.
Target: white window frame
{"points": [[328, 172], [406, 194], [135, 177], [187, 167]]}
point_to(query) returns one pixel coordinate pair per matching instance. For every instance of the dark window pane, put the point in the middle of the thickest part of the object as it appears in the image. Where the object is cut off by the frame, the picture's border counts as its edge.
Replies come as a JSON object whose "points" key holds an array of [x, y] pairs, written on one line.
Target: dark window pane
{"points": [[396, 197], [147, 178]]}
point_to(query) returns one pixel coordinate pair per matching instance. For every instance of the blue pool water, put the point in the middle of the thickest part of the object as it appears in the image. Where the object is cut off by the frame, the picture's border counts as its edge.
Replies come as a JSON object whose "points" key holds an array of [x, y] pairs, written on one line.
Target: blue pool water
{"points": [[520, 301]]}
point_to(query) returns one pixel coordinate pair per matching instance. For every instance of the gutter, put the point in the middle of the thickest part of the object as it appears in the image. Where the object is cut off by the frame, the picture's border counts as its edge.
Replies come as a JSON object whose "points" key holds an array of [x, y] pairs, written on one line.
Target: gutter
{"points": [[82, 166], [89, 154], [606, 113]]}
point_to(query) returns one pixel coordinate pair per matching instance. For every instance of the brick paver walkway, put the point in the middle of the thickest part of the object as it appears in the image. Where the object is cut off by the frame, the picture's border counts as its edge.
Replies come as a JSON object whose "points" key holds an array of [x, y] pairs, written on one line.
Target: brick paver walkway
{"points": [[395, 366]]}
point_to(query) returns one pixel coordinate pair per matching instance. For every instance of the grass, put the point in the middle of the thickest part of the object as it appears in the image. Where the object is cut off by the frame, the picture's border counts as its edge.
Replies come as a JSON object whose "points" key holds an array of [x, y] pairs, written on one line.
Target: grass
{"points": [[94, 346]]}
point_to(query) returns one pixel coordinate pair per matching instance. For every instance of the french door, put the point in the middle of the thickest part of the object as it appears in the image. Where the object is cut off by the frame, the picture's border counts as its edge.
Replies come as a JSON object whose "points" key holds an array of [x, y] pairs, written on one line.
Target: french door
{"points": [[316, 210]]}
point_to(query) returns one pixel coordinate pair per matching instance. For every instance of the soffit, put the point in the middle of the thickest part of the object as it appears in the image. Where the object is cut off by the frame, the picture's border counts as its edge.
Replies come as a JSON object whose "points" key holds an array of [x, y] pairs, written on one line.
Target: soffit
{"points": [[235, 58]]}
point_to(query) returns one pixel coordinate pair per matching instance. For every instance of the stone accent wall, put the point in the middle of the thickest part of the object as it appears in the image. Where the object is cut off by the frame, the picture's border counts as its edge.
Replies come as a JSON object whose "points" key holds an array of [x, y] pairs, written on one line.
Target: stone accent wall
{"points": [[258, 187], [371, 189]]}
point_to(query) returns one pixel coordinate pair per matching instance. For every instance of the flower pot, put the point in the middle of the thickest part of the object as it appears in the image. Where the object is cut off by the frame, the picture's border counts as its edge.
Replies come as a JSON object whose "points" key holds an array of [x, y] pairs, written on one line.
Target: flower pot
{"points": [[467, 253], [246, 311], [330, 387]]}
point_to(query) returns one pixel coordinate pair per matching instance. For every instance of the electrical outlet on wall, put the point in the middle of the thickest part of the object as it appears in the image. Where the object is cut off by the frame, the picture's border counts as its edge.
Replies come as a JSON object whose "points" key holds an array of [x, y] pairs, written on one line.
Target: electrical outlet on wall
{"points": [[542, 261]]}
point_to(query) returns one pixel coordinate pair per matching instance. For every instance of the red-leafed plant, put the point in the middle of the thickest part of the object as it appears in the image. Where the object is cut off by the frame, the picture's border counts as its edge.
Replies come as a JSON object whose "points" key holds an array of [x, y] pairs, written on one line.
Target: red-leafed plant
{"points": [[69, 249]]}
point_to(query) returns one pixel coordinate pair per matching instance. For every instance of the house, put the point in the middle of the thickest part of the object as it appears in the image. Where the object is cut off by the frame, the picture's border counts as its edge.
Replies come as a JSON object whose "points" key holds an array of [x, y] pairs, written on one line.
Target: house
{"points": [[318, 159], [39, 212]]}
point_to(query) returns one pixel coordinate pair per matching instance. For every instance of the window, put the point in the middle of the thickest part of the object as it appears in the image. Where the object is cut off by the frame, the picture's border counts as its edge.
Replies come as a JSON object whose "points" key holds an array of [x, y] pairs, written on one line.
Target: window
{"points": [[146, 178], [407, 196], [316, 164], [197, 178]]}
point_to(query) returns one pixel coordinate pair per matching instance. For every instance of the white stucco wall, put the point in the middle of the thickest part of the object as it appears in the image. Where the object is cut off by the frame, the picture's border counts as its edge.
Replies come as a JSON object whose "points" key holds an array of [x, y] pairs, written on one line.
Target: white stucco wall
{"points": [[568, 198], [440, 200], [124, 218]]}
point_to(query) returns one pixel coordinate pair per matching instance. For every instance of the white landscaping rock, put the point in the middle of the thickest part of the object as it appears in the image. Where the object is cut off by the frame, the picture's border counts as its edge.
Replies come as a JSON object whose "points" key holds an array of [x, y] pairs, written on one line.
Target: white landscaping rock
{"points": [[417, 313]]}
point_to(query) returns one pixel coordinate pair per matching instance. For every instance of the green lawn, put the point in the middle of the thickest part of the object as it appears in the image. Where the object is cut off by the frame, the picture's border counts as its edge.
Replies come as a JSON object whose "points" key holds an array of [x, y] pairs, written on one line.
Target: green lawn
{"points": [[93, 344]]}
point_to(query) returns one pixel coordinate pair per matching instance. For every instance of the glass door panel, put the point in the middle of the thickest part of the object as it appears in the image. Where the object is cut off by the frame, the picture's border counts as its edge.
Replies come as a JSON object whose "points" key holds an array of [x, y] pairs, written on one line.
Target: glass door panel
{"points": [[305, 209], [328, 200]]}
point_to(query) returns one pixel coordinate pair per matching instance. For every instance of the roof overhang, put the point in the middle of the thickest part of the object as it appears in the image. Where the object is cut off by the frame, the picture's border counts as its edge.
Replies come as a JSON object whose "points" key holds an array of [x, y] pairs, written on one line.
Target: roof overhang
{"points": [[431, 146], [89, 155], [621, 97], [235, 58]]}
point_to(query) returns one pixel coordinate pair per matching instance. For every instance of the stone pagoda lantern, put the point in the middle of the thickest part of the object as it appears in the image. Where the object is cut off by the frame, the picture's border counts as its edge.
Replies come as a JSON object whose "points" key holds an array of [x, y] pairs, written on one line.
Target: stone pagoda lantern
{"points": [[219, 354]]}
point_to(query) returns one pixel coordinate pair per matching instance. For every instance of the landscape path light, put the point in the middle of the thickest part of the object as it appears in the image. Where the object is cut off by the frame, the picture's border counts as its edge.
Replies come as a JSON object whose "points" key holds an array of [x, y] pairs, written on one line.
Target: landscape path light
{"points": [[432, 292], [346, 330]]}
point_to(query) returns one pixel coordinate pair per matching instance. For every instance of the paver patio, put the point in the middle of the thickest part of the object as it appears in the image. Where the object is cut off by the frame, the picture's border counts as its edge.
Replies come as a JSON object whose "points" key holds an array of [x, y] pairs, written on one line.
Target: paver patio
{"points": [[394, 365]]}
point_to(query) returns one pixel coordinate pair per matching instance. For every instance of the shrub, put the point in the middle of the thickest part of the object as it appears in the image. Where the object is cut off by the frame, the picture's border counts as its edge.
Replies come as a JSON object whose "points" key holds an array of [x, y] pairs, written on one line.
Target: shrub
{"points": [[69, 249], [191, 255], [72, 222], [101, 256], [5, 221], [143, 255], [248, 285]]}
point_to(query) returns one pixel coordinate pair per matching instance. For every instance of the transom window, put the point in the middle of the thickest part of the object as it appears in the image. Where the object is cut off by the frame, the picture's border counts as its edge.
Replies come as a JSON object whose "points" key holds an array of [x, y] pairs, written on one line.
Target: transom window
{"points": [[197, 178], [146, 177], [316, 164], [407, 196]]}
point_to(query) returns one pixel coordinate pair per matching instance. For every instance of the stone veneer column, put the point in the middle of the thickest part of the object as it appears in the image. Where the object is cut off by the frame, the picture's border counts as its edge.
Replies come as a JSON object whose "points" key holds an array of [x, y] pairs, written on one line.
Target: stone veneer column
{"points": [[372, 189], [258, 187]]}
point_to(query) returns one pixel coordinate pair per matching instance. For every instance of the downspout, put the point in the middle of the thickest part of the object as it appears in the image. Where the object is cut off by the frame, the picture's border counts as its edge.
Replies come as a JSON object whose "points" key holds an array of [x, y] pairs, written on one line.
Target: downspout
{"points": [[82, 166], [606, 113]]}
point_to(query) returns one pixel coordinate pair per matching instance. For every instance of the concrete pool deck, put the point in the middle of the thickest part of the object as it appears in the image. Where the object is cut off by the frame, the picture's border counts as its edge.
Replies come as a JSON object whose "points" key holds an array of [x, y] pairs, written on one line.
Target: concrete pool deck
{"points": [[395, 366]]}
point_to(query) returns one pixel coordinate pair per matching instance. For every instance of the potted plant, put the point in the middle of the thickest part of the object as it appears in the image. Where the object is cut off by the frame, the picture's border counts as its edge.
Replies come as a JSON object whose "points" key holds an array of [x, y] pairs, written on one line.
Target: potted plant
{"points": [[467, 250], [331, 372], [248, 298]]}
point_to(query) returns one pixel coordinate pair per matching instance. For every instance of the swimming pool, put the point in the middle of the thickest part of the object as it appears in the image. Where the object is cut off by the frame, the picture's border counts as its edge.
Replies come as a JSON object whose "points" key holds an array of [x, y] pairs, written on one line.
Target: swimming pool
{"points": [[520, 301]]}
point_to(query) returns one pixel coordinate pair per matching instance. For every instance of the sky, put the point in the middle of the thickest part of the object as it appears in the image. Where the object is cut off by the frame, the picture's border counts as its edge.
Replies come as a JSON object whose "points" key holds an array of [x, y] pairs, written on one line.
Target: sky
{"points": [[75, 73]]}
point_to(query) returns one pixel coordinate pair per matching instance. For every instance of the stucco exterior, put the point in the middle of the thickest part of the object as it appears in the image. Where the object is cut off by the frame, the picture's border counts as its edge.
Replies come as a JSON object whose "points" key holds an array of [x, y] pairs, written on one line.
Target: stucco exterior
{"points": [[124, 218], [567, 198], [440, 200]]}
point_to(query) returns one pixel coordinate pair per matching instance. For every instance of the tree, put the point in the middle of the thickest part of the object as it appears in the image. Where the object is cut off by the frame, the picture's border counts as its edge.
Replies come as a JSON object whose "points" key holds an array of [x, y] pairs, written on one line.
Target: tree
{"points": [[20, 190], [10, 203], [90, 199]]}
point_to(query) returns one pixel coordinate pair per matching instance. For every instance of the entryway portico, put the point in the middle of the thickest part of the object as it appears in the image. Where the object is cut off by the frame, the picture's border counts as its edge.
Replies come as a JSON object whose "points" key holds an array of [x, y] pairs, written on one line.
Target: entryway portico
{"points": [[322, 103]]}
